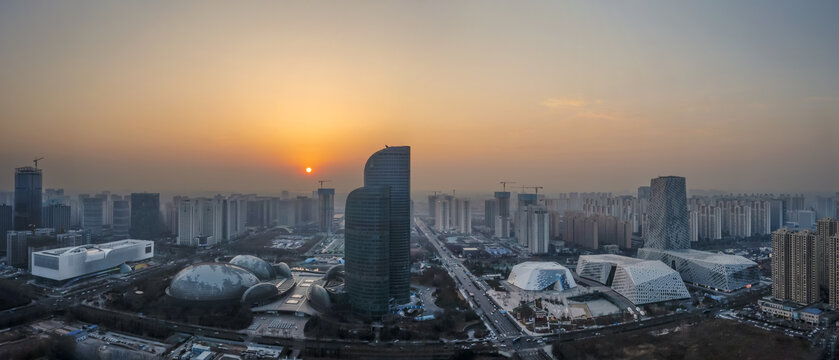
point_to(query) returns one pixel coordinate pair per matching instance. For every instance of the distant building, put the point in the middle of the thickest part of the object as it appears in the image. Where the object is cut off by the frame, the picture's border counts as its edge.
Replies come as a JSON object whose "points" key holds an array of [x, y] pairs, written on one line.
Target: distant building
{"points": [[56, 216], [69, 262], [6, 224], [326, 209], [92, 215], [145, 216], [795, 266], [533, 228], [121, 218], [28, 188], [825, 228]]}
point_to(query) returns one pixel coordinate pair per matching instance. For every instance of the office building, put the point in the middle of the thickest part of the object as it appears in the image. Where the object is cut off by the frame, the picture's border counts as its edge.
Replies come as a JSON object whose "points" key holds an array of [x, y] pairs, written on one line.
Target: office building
{"points": [[28, 188], [17, 248], [795, 266], [639, 281], [92, 215], [326, 209], [56, 216], [367, 250], [667, 215], [145, 216], [391, 167], [70, 262], [489, 213]]}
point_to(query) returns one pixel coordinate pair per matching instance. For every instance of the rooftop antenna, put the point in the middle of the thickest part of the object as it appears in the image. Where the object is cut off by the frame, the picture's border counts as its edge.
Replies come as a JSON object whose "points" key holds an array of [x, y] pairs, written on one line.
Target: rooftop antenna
{"points": [[504, 184], [36, 161]]}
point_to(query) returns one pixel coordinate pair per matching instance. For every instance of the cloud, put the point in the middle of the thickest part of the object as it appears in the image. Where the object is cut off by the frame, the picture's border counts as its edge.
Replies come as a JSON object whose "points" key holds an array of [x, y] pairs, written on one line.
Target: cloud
{"points": [[568, 103]]}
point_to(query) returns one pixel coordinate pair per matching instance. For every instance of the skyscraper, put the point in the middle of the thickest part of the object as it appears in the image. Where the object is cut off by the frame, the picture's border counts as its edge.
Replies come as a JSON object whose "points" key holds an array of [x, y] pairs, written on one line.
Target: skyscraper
{"points": [[28, 187], [6, 224], [145, 216], [326, 209], [391, 167], [668, 214], [367, 252]]}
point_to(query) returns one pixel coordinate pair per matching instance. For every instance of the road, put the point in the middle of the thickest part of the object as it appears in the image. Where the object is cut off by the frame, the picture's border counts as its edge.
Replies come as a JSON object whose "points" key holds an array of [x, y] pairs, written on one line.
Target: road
{"points": [[499, 324]]}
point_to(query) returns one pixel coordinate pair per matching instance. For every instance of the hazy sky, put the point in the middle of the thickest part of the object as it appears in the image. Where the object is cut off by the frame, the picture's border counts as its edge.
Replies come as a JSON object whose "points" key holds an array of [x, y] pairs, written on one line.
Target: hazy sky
{"points": [[573, 96]]}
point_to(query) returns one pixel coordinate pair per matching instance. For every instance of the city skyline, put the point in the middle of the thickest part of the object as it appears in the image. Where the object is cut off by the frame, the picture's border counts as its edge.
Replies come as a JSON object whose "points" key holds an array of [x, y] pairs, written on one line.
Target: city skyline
{"points": [[196, 97]]}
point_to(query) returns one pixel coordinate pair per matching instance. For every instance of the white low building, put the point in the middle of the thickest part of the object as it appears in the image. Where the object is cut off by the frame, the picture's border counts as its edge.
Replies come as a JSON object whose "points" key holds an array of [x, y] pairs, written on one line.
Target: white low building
{"points": [[640, 281], [70, 262], [538, 276], [720, 272]]}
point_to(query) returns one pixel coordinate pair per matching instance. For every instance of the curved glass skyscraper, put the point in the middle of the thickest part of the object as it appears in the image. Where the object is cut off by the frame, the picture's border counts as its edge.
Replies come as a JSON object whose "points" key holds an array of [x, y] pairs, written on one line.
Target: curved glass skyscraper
{"points": [[367, 250], [391, 167]]}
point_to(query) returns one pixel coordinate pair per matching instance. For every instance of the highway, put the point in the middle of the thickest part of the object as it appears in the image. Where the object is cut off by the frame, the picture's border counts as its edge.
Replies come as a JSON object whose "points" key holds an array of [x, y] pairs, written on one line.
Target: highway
{"points": [[498, 323]]}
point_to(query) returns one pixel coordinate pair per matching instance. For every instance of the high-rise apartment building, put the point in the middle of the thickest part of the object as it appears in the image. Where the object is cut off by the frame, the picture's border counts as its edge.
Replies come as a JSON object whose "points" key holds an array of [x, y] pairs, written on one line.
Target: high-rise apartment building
{"points": [[668, 214], [367, 250], [326, 209], [825, 229], [28, 188], [832, 260], [795, 266], [145, 216]]}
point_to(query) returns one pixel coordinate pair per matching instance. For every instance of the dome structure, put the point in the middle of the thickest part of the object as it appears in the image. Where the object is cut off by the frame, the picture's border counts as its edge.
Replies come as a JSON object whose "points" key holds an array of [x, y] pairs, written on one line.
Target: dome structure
{"points": [[538, 276], [259, 292], [211, 282], [261, 268], [319, 298], [335, 272], [282, 270]]}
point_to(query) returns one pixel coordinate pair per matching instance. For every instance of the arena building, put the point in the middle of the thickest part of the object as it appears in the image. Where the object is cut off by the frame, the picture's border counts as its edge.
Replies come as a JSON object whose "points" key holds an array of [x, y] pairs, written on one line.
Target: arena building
{"points": [[719, 272], [640, 281], [246, 279], [538, 276], [71, 262]]}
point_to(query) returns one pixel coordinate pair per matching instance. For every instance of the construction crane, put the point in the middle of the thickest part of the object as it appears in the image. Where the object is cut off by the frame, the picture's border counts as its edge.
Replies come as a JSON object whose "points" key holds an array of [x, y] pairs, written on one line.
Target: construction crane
{"points": [[504, 184], [323, 181], [535, 188], [36, 161]]}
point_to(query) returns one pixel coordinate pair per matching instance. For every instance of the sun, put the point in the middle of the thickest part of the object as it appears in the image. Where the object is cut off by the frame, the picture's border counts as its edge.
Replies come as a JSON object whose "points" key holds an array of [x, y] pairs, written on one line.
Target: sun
{"points": [[308, 170]]}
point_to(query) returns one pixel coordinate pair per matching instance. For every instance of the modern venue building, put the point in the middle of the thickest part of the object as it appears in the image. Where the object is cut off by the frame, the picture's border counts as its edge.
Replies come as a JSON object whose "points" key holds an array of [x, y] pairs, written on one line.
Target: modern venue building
{"points": [[539, 276], [367, 250], [720, 272], [70, 262], [28, 188], [640, 281]]}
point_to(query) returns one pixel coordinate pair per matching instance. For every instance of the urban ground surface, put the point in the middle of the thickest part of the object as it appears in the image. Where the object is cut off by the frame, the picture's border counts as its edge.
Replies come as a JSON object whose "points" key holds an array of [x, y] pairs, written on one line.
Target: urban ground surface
{"points": [[477, 314]]}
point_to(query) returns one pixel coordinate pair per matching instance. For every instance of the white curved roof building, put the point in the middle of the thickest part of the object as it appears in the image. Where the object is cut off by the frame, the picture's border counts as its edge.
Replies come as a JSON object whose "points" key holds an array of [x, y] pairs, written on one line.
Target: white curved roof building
{"points": [[720, 272], [640, 281], [69, 262], [537, 276]]}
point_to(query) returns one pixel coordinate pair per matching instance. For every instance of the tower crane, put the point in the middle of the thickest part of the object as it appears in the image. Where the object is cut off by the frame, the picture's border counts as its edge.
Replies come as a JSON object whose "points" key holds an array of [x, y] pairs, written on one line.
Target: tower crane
{"points": [[323, 181], [535, 188], [36, 161], [504, 184]]}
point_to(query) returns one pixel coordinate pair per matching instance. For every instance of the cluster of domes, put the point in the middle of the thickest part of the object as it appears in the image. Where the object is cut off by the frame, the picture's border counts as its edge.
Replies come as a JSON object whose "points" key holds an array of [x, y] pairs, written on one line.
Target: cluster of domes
{"points": [[245, 278]]}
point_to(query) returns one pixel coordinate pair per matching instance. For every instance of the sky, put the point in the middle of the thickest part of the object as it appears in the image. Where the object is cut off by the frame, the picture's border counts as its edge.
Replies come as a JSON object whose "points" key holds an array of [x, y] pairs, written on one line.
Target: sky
{"points": [[214, 96]]}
